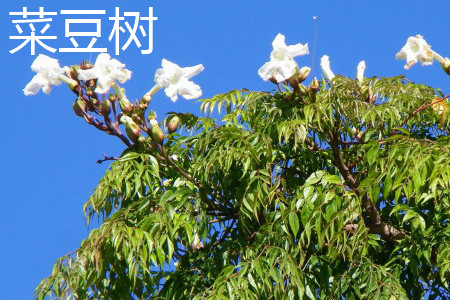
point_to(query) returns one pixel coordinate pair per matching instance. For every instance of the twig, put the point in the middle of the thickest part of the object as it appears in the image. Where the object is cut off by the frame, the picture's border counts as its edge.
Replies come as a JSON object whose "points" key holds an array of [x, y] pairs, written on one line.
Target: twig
{"points": [[105, 158], [422, 108]]}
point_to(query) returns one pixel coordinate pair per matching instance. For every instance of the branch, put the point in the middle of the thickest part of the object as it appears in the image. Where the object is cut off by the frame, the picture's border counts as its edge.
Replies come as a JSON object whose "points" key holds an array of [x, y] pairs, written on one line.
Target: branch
{"points": [[422, 108], [372, 218], [105, 158]]}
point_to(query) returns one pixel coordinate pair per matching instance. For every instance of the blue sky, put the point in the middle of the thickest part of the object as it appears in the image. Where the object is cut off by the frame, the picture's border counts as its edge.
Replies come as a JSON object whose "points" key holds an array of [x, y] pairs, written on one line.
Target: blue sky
{"points": [[48, 155]]}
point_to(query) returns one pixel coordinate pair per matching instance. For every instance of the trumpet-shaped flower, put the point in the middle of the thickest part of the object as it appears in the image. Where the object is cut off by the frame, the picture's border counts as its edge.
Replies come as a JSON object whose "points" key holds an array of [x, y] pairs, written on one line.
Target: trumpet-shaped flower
{"points": [[49, 73], [325, 65], [106, 71], [176, 81], [416, 49], [282, 64], [360, 70]]}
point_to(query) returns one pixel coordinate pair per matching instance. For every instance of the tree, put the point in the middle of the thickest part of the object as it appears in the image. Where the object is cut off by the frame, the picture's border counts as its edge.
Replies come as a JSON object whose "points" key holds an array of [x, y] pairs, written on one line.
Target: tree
{"points": [[335, 189]]}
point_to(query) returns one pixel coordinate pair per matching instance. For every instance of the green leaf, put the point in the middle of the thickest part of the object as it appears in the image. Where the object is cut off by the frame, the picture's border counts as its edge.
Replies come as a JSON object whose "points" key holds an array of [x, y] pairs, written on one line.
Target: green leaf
{"points": [[372, 154], [294, 223]]}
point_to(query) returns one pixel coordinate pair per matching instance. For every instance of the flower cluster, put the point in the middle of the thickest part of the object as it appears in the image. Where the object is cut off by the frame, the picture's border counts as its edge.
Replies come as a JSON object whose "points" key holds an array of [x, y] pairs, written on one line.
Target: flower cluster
{"points": [[92, 83], [282, 65]]}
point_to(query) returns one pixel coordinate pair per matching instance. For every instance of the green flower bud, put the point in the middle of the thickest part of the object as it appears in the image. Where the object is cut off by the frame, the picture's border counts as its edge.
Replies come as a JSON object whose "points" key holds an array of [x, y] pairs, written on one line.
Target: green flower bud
{"points": [[146, 98], [314, 86], [79, 107], [76, 88], [112, 97], [294, 81], [303, 73], [90, 92], [131, 128], [172, 126], [106, 107], [125, 106], [304, 89], [151, 116], [156, 132]]}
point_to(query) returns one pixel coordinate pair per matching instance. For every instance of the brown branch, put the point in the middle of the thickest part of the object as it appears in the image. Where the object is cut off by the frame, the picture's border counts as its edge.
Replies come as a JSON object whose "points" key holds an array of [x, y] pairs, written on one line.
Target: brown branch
{"points": [[372, 218], [105, 158], [422, 108]]}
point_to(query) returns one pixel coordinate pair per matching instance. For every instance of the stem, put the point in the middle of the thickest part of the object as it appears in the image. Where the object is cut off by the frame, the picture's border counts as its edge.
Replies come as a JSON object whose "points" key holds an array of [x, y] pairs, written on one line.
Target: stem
{"points": [[438, 57], [153, 91], [422, 108], [372, 218]]}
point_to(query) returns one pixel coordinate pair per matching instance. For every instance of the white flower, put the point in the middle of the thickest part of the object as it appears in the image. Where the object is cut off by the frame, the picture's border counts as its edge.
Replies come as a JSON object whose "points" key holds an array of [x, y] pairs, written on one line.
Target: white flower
{"points": [[197, 244], [106, 71], [325, 65], [282, 64], [176, 81], [49, 73], [360, 70], [416, 49]]}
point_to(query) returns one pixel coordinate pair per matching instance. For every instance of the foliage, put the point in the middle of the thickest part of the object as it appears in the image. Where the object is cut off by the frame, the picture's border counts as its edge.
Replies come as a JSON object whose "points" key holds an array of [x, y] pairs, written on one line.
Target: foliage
{"points": [[340, 190]]}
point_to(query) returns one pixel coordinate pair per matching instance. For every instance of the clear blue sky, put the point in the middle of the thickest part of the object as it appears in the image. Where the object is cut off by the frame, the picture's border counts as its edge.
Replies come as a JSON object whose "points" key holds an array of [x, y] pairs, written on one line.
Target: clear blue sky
{"points": [[48, 155]]}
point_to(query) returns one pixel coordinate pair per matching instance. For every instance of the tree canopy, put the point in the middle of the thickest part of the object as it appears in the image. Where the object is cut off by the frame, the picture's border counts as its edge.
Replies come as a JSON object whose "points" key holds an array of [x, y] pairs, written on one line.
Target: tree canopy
{"points": [[338, 188]]}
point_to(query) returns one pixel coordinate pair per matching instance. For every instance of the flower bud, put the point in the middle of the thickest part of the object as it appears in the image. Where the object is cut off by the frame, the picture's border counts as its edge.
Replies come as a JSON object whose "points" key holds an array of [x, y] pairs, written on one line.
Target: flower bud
{"points": [[197, 244], [173, 124], [72, 73], [304, 73], [314, 86], [304, 89], [79, 107], [293, 80], [141, 138], [354, 131], [106, 107], [90, 92], [132, 129], [112, 97], [156, 132], [125, 105], [142, 106], [75, 87], [86, 65], [146, 98], [92, 82], [151, 116]]}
